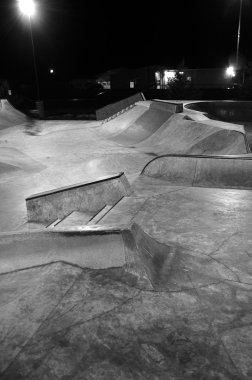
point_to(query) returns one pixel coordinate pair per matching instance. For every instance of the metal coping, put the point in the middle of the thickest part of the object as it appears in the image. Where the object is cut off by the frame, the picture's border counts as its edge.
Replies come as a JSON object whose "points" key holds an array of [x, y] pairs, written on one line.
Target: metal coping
{"points": [[189, 103], [75, 186], [221, 157]]}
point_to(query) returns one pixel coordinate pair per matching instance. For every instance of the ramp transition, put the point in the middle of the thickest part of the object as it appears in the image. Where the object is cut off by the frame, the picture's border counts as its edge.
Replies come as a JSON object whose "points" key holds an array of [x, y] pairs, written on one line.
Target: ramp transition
{"points": [[161, 128], [148, 123], [202, 171], [10, 116], [142, 261]]}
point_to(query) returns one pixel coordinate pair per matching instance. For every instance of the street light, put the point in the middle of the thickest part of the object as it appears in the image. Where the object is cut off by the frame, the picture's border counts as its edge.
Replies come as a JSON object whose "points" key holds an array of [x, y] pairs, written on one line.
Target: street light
{"points": [[28, 9], [238, 36], [230, 72]]}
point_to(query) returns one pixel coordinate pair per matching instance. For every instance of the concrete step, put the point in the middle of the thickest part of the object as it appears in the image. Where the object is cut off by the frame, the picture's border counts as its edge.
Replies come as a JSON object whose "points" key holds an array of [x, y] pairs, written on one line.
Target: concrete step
{"points": [[75, 218], [124, 211], [100, 215], [53, 224]]}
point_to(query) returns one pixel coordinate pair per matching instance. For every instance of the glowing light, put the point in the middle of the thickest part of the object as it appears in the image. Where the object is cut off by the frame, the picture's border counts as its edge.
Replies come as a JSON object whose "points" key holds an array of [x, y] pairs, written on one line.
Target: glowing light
{"points": [[27, 7], [51, 71], [230, 72], [169, 75]]}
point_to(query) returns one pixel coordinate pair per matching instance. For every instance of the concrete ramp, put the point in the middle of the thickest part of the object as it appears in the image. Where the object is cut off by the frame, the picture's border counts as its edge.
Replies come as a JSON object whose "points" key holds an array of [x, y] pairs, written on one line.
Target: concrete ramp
{"points": [[160, 128], [180, 135], [89, 247], [148, 123], [124, 120], [202, 171], [141, 260], [10, 116], [112, 110], [156, 258]]}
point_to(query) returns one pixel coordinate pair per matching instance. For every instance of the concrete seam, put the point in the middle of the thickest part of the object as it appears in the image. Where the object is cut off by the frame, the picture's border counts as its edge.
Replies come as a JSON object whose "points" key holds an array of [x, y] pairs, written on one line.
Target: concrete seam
{"points": [[139, 291], [211, 323], [194, 175], [110, 209], [41, 324]]}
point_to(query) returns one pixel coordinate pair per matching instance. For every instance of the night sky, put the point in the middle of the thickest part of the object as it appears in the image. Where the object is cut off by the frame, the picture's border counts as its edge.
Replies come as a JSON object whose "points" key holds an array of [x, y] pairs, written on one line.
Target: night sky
{"points": [[82, 37]]}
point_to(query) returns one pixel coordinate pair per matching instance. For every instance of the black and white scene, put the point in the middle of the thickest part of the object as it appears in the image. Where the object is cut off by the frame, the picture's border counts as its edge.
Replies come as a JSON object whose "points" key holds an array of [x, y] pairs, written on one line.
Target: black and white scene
{"points": [[125, 190]]}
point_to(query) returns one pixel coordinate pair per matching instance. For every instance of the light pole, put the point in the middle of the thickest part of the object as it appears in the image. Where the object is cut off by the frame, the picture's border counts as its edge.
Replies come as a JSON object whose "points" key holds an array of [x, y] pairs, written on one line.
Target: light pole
{"points": [[28, 9], [238, 36]]}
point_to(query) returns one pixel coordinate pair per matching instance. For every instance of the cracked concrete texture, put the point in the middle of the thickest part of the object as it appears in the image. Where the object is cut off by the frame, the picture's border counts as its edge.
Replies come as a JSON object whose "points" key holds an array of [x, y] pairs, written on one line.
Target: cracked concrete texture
{"points": [[60, 321], [96, 327]]}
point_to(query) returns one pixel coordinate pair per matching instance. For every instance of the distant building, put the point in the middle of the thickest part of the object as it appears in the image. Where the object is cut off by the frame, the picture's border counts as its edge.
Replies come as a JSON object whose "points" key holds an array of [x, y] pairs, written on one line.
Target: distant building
{"points": [[158, 77], [139, 78], [105, 78]]}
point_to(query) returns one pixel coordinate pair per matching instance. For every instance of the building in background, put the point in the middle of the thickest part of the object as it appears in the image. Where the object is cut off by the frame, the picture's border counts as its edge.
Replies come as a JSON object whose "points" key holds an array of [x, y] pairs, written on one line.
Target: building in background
{"points": [[159, 77]]}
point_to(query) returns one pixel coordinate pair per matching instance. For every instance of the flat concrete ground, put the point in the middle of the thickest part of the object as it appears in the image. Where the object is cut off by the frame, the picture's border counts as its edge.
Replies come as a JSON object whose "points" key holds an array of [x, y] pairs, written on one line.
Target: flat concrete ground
{"points": [[60, 321]]}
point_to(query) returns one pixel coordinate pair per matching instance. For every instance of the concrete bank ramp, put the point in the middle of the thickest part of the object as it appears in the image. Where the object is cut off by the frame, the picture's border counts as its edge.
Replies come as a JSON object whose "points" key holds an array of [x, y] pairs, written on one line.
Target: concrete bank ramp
{"points": [[117, 125], [180, 135], [10, 116], [114, 109], [140, 259], [202, 171], [160, 128], [148, 123]]}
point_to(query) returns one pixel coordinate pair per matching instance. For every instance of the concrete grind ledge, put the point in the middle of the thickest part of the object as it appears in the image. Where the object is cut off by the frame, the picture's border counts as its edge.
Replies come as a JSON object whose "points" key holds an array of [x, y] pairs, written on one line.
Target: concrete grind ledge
{"points": [[202, 171], [144, 262], [92, 196], [172, 107], [113, 108]]}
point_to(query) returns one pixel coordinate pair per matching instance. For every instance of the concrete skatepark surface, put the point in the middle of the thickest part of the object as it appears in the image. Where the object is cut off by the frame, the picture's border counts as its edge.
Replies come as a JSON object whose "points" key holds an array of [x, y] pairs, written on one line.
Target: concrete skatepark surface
{"points": [[160, 287]]}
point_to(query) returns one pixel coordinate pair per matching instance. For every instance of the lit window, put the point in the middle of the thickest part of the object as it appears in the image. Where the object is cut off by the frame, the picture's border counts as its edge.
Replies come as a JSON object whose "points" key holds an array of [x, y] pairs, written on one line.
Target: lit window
{"points": [[168, 76], [132, 84]]}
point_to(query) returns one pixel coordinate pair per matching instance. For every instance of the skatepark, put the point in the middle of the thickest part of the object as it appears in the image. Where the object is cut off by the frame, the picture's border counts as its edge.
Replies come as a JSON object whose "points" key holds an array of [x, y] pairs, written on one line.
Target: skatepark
{"points": [[125, 243]]}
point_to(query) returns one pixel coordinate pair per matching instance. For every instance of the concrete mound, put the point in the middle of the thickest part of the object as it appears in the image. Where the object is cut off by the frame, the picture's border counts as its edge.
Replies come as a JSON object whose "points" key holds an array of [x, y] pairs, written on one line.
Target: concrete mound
{"points": [[7, 168], [160, 128], [180, 135], [14, 163], [142, 261], [202, 171], [10, 116]]}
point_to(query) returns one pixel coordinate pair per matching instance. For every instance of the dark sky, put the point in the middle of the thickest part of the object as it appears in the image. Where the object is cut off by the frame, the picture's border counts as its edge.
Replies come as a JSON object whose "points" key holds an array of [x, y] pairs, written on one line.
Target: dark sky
{"points": [[82, 37]]}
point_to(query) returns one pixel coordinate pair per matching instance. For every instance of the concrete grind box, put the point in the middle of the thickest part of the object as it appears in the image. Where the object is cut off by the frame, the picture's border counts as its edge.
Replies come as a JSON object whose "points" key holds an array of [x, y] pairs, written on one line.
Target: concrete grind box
{"points": [[48, 206]]}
